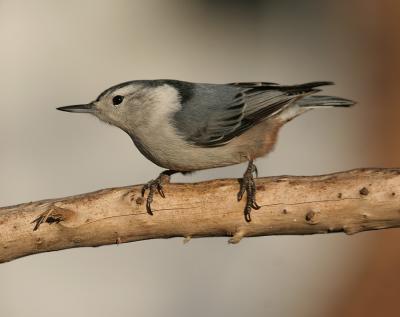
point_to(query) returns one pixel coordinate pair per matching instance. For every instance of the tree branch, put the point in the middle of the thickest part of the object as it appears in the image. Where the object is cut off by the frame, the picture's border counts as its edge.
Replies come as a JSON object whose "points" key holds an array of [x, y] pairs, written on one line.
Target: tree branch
{"points": [[354, 201]]}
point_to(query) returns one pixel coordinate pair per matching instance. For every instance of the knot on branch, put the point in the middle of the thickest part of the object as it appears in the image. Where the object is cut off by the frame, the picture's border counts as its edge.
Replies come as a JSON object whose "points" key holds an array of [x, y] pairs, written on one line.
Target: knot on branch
{"points": [[54, 214]]}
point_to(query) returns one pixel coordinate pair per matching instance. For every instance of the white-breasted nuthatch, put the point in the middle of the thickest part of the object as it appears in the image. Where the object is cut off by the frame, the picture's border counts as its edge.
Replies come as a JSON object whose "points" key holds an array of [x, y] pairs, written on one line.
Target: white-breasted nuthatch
{"points": [[186, 127]]}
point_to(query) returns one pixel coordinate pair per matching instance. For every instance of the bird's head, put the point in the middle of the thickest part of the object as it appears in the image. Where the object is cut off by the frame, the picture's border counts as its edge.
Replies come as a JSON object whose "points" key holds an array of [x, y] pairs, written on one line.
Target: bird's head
{"points": [[118, 105]]}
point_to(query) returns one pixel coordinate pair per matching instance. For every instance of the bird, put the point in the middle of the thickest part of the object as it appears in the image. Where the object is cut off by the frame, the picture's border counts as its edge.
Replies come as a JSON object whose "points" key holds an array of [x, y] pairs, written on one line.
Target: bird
{"points": [[185, 127]]}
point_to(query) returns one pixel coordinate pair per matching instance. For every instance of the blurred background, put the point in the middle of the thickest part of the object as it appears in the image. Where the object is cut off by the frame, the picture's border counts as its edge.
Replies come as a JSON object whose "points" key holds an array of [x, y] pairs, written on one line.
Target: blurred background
{"points": [[56, 53]]}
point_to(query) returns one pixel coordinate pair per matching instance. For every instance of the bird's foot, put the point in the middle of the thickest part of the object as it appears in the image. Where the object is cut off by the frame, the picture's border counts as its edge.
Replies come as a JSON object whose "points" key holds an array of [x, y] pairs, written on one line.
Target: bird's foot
{"points": [[248, 185], [155, 185]]}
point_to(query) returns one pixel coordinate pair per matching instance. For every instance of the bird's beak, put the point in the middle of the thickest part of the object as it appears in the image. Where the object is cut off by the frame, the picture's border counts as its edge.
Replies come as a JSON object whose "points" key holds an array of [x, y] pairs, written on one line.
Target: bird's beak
{"points": [[86, 108]]}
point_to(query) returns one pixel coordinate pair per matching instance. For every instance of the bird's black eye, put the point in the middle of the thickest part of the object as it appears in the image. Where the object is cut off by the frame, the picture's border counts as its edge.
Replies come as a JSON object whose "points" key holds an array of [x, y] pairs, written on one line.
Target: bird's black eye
{"points": [[117, 100]]}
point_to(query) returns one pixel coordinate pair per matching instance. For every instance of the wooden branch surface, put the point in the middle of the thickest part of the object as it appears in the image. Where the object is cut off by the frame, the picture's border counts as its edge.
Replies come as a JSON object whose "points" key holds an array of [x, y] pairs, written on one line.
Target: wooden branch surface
{"points": [[354, 201]]}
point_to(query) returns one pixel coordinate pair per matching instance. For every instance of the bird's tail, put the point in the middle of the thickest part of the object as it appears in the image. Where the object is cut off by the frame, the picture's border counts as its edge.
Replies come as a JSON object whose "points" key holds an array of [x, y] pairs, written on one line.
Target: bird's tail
{"points": [[324, 101]]}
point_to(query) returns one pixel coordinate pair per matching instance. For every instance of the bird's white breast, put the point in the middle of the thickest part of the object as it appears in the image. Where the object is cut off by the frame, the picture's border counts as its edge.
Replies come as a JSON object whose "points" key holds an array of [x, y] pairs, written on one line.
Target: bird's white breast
{"points": [[156, 133]]}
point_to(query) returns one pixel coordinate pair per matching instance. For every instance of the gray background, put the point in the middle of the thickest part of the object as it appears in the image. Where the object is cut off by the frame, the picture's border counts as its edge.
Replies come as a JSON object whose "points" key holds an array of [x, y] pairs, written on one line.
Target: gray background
{"points": [[56, 53]]}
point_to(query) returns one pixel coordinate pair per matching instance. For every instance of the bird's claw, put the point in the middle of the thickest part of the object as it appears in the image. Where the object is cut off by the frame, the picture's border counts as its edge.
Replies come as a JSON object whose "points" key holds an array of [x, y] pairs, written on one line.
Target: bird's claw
{"points": [[160, 190], [155, 185], [248, 185]]}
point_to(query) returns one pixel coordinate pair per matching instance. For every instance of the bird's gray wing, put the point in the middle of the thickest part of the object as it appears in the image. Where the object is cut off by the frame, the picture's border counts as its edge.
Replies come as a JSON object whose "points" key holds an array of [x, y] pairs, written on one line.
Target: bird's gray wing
{"points": [[215, 114]]}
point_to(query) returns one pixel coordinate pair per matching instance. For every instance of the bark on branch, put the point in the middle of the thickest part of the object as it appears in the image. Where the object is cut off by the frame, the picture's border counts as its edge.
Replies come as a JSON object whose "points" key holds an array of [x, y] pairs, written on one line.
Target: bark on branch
{"points": [[354, 201]]}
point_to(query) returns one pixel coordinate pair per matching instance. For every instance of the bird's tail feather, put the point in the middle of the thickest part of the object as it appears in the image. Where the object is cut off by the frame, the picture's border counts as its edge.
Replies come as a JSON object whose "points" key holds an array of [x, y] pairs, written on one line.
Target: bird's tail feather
{"points": [[324, 101]]}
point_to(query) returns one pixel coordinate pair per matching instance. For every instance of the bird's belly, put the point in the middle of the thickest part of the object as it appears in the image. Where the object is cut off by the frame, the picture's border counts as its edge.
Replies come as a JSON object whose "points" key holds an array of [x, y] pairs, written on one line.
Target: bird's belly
{"points": [[164, 147], [172, 152], [191, 158]]}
